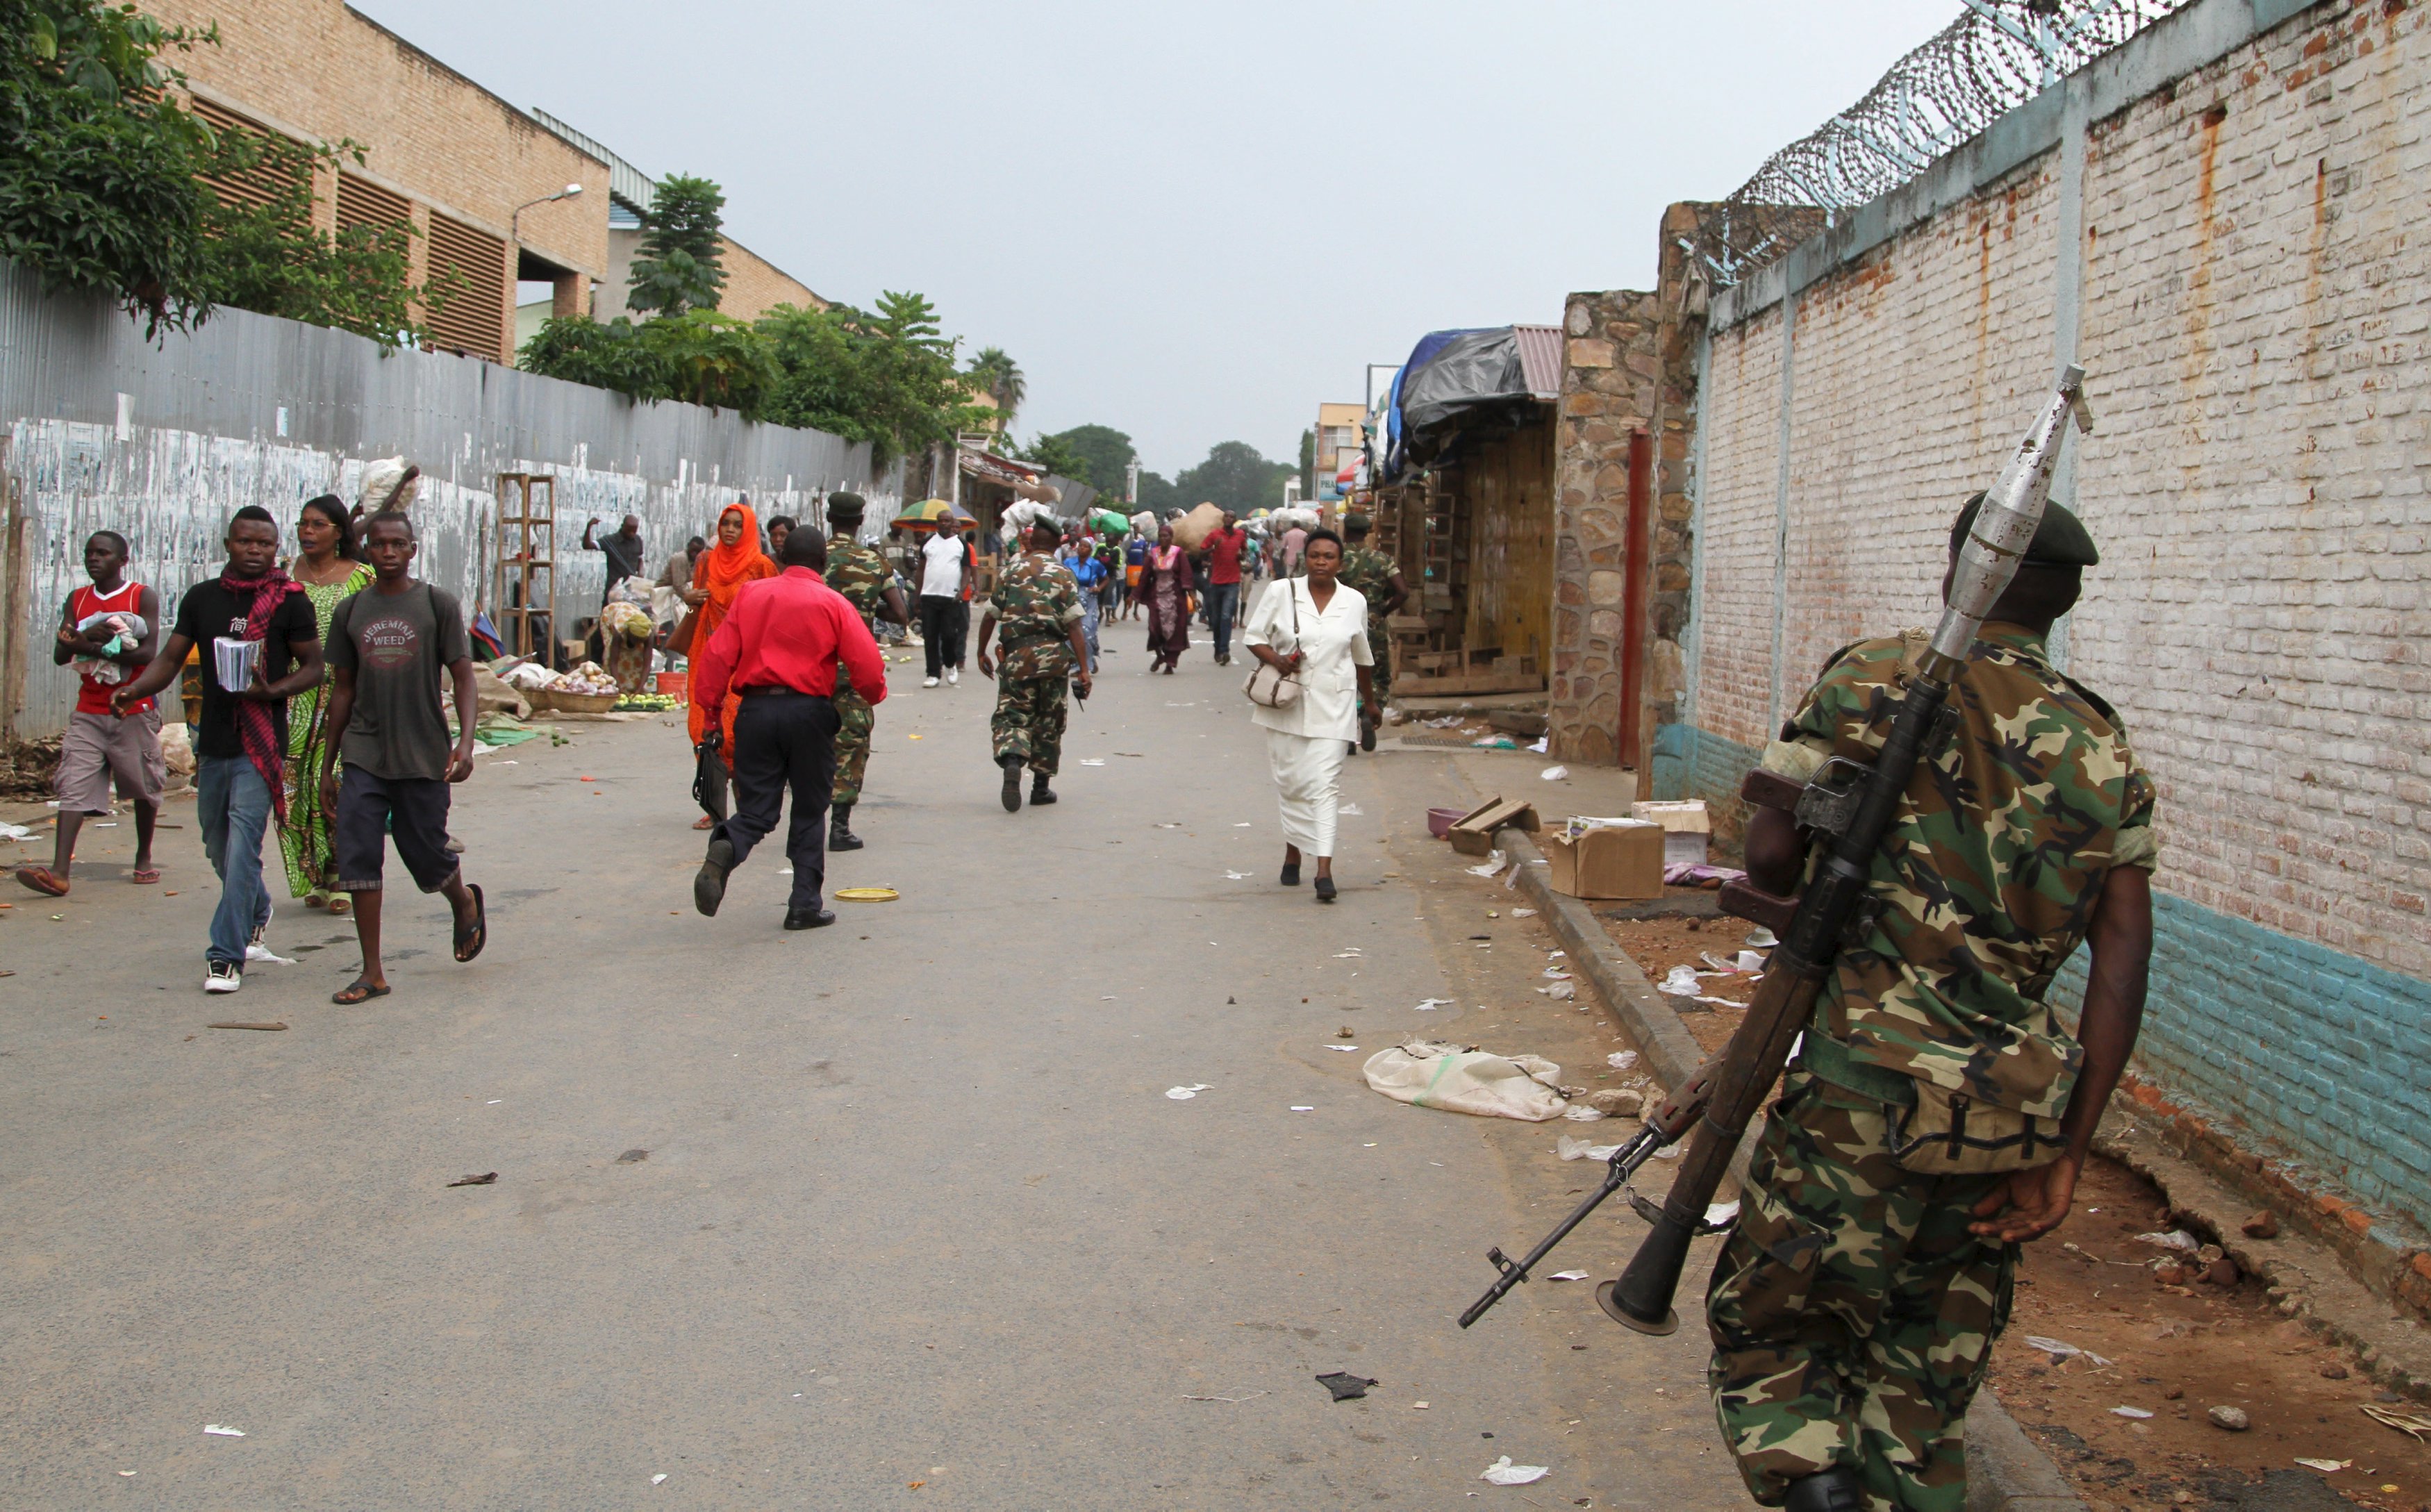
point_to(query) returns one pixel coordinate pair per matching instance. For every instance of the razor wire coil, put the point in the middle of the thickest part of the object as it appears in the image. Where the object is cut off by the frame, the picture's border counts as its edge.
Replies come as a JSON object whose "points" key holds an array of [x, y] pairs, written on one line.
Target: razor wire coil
{"points": [[1995, 56]]}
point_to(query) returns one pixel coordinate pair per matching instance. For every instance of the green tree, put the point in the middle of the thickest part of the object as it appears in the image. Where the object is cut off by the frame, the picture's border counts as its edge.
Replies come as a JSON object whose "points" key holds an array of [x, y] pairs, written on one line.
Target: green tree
{"points": [[100, 177], [269, 256], [1308, 464], [1056, 454], [1234, 476], [680, 265], [1157, 493], [606, 355], [700, 357], [885, 377], [999, 378], [1105, 451]]}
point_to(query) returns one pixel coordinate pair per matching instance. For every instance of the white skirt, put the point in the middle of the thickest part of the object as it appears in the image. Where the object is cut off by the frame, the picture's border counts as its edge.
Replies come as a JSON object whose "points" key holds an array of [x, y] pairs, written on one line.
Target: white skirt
{"points": [[1308, 783]]}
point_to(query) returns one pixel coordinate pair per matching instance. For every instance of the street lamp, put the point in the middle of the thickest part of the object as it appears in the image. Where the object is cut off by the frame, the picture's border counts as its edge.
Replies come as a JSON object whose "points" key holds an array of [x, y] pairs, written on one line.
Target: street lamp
{"points": [[514, 222]]}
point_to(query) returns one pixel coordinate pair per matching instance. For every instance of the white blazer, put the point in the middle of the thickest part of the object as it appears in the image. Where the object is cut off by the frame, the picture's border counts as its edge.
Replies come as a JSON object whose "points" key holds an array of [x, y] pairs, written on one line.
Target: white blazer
{"points": [[1336, 642]]}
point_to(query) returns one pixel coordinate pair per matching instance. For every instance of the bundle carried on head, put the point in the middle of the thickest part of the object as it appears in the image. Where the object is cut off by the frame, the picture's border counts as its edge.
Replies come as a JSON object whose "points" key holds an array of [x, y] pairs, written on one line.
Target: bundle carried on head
{"points": [[389, 483], [1144, 523], [1299, 516], [1191, 530], [1021, 515]]}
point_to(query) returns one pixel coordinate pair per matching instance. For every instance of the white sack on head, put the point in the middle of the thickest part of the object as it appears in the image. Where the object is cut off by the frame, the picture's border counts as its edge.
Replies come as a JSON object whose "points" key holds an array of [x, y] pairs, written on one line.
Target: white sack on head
{"points": [[1144, 523], [1021, 515], [1299, 516], [381, 480]]}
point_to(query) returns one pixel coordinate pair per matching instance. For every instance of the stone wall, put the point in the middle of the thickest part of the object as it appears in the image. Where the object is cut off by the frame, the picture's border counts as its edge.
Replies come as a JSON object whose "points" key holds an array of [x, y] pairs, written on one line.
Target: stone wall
{"points": [[2217, 220], [1610, 378]]}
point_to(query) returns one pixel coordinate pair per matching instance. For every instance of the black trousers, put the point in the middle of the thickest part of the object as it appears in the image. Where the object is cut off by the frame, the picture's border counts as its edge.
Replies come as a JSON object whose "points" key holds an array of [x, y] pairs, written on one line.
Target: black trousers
{"points": [[784, 739], [945, 620]]}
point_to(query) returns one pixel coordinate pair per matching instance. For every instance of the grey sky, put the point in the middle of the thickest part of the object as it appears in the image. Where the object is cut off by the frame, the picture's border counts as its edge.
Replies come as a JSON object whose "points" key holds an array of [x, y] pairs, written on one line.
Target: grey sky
{"points": [[1191, 223]]}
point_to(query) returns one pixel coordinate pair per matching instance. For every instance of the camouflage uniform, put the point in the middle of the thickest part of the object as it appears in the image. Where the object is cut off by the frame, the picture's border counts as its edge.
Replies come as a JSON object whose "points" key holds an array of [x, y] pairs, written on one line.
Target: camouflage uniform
{"points": [[1852, 1312], [1036, 603], [860, 574], [1372, 574]]}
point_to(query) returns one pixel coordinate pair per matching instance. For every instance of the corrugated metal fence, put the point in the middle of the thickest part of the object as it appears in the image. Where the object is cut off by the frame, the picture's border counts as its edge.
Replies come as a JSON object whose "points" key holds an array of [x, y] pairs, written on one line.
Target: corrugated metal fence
{"points": [[163, 442]]}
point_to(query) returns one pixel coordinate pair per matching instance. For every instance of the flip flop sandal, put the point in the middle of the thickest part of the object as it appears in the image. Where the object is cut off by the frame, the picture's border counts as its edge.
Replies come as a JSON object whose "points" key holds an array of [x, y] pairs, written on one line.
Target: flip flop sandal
{"points": [[41, 880], [356, 991], [479, 935], [144, 876], [340, 906], [704, 822]]}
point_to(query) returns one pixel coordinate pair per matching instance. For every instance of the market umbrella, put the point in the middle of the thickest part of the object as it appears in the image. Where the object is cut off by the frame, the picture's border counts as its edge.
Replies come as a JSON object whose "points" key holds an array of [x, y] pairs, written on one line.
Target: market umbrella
{"points": [[930, 511]]}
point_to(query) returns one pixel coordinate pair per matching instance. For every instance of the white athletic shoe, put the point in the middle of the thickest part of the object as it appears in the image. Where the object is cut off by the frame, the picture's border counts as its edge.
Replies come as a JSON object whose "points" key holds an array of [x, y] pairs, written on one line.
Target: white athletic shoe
{"points": [[255, 950], [954, 676], [224, 977], [929, 683]]}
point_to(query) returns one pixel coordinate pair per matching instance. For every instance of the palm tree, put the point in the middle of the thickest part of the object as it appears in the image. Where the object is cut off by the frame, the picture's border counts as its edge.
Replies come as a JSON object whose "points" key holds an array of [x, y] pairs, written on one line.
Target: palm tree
{"points": [[1000, 378]]}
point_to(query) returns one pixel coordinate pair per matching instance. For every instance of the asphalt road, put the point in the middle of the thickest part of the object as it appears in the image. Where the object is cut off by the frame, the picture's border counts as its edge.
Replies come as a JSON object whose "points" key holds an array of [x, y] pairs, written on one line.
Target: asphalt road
{"points": [[918, 1223]]}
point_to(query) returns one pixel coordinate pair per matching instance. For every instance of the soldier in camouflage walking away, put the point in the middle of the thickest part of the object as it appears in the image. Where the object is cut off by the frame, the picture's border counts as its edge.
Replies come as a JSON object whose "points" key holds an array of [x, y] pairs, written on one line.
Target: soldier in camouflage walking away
{"points": [[861, 575], [1039, 606], [1939, 1113], [1377, 579]]}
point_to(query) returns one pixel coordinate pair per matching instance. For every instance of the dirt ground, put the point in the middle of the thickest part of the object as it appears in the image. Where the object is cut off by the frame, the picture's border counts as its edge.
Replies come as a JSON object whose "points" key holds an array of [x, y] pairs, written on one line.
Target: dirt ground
{"points": [[2177, 1352]]}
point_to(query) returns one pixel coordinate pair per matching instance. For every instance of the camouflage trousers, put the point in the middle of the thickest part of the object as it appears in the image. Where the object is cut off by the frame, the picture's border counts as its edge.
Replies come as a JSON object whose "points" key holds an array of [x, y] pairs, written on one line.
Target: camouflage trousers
{"points": [[1029, 721], [1380, 677], [1851, 1313], [856, 720]]}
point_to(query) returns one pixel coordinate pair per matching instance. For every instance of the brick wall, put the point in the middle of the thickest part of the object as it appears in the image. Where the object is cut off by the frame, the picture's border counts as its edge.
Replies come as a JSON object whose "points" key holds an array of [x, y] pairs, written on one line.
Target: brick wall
{"points": [[2252, 303], [754, 286], [319, 71], [1609, 376]]}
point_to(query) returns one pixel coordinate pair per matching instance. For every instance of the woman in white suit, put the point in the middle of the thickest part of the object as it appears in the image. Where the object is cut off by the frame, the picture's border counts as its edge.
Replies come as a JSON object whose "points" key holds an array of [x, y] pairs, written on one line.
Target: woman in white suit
{"points": [[1314, 629]]}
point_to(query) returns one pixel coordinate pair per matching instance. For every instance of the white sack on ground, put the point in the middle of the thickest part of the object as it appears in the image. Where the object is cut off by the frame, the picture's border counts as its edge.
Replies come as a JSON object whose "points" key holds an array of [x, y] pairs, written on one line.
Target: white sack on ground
{"points": [[1430, 1075]]}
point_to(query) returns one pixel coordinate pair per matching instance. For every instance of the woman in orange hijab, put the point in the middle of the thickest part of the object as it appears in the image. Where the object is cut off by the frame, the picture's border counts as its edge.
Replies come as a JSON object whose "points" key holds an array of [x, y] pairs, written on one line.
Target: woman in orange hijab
{"points": [[723, 568]]}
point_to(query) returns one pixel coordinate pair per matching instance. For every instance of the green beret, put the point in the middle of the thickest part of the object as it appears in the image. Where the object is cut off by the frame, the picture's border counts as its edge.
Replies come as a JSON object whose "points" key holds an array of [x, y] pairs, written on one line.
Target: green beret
{"points": [[2060, 541], [1355, 521], [846, 506]]}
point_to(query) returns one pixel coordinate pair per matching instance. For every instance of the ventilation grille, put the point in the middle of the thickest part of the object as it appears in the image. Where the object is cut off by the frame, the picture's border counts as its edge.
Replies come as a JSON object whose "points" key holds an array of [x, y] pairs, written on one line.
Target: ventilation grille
{"points": [[468, 269]]}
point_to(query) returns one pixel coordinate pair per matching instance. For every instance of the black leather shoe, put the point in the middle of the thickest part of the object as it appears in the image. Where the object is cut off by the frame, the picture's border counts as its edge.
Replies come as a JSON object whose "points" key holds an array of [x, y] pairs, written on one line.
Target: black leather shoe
{"points": [[709, 888], [1012, 784], [1837, 1490], [809, 918], [1291, 874], [1040, 792], [840, 836], [1325, 889], [1367, 734]]}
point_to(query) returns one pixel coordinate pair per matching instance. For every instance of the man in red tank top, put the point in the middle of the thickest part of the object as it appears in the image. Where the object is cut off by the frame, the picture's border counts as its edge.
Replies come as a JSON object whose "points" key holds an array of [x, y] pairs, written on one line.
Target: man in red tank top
{"points": [[109, 630]]}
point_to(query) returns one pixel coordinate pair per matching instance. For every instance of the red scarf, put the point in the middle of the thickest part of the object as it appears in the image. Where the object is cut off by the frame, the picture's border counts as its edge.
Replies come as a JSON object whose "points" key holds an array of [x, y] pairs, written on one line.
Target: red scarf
{"points": [[255, 724]]}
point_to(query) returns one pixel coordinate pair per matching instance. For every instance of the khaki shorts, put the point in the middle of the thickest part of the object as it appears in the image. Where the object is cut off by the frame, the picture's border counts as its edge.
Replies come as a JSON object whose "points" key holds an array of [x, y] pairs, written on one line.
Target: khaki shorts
{"points": [[98, 747]]}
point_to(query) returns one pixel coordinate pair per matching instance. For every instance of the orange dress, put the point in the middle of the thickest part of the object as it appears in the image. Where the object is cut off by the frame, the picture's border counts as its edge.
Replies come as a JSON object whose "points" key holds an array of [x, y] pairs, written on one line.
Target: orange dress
{"points": [[722, 572]]}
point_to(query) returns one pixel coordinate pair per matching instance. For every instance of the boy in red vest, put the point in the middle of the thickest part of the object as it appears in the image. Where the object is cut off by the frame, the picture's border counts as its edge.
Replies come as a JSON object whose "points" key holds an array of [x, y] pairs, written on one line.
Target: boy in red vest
{"points": [[109, 630]]}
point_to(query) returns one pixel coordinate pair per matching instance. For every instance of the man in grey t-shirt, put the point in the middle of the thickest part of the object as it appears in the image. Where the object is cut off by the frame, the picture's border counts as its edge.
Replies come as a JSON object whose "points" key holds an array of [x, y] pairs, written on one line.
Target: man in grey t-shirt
{"points": [[388, 645]]}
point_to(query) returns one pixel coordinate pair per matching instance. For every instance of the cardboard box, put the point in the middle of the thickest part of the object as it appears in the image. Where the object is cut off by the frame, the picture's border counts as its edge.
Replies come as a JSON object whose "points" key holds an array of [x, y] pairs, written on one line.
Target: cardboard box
{"points": [[1611, 858], [1472, 834], [1688, 833]]}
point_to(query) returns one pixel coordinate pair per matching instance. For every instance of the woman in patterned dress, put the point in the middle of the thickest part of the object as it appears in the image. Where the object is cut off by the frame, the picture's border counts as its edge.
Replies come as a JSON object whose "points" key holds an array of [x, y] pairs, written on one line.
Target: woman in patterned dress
{"points": [[330, 570]]}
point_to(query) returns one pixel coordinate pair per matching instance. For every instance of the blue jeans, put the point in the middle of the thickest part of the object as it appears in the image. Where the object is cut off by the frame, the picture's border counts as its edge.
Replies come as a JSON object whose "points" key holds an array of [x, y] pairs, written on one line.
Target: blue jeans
{"points": [[1221, 599], [233, 804]]}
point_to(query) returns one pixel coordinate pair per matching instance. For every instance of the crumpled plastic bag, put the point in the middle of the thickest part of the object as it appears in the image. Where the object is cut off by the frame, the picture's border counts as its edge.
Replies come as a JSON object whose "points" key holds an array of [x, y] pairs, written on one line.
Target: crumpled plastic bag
{"points": [[1502, 1472], [1429, 1074]]}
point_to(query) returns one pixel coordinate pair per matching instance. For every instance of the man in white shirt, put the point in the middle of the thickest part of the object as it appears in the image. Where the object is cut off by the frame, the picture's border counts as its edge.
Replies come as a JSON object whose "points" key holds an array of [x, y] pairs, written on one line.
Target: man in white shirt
{"points": [[943, 581]]}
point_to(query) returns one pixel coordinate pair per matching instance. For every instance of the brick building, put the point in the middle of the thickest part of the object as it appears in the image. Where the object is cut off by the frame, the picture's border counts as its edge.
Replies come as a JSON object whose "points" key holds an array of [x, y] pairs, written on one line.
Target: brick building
{"points": [[2216, 219], [475, 176]]}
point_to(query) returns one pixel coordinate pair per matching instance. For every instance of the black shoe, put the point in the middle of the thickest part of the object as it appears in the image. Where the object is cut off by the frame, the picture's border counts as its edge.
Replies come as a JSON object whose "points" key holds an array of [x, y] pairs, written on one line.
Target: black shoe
{"points": [[1039, 791], [1325, 889], [1366, 735], [840, 836], [1291, 874], [1837, 1490], [809, 918], [1012, 784], [709, 888]]}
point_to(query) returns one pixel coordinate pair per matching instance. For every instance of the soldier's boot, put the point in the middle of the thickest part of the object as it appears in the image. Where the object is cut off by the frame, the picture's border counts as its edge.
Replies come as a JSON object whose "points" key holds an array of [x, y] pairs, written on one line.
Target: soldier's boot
{"points": [[1039, 791], [1012, 765], [840, 836], [708, 887], [1837, 1490]]}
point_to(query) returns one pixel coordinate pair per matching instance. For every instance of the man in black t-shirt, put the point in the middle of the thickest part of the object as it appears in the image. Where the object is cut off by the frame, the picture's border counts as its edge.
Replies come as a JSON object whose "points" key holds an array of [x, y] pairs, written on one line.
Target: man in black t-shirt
{"points": [[256, 628], [388, 646]]}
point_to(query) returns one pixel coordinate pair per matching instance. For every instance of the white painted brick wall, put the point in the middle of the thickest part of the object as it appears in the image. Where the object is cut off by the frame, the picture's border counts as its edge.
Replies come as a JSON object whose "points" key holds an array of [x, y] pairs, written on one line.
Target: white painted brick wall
{"points": [[2257, 293]]}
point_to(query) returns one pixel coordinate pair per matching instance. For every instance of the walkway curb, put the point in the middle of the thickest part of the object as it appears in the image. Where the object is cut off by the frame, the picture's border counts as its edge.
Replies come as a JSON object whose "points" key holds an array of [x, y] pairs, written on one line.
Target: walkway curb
{"points": [[2006, 1472]]}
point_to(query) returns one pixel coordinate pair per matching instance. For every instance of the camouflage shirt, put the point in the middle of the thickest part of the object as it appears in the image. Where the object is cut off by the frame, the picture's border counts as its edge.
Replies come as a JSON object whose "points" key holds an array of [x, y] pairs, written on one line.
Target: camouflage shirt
{"points": [[1372, 574], [860, 574], [1990, 873], [1036, 599]]}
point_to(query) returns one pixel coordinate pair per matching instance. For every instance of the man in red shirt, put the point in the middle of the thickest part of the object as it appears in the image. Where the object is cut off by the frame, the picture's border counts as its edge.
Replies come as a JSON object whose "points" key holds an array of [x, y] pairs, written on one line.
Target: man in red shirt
{"points": [[1224, 548], [781, 647]]}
